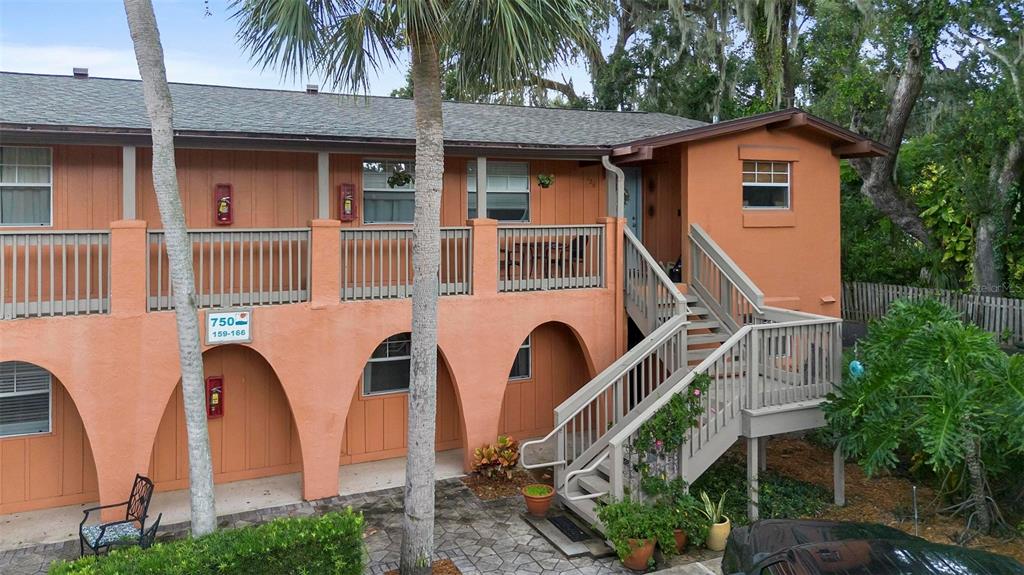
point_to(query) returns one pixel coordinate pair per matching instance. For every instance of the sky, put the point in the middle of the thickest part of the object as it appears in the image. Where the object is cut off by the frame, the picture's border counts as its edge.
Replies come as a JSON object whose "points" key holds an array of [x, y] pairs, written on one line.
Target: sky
{"points": [[54, 36]]}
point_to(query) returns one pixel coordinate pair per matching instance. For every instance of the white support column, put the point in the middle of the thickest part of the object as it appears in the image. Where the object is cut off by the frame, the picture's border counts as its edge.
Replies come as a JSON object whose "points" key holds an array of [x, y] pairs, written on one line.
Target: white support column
{"points": [[323, 185], [839, 477], [762, 453], [481, 187], [128, 202], [753, 488]]}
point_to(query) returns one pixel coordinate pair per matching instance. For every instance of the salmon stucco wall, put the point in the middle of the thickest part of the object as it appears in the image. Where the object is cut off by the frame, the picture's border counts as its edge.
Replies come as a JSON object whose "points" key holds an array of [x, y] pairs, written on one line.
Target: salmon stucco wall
{"points": [[792, 255]]}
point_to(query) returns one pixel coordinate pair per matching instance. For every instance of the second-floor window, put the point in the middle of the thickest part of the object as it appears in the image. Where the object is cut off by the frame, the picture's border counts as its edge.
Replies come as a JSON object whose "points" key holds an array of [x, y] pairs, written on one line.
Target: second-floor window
{"points": [[766, 185], [382, 203], [508, 191], [24, 399], [387, 371], [25, 186]]}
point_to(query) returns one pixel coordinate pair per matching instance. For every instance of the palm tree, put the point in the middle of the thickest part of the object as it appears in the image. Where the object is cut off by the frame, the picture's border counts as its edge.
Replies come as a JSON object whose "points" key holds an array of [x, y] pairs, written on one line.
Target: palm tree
{"points": [[491, 46], [150, 56]]}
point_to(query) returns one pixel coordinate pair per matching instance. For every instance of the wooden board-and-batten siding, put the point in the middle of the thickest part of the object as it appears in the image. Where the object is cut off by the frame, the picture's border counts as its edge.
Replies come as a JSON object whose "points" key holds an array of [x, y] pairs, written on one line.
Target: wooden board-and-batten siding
{"points": [[999, 315]]}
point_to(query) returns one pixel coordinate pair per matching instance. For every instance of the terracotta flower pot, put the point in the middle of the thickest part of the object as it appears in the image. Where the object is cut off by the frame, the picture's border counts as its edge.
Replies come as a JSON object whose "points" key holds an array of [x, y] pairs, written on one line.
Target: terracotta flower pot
{"points": [[640, 553], [681, 539], [537, 505], [718, 533]]}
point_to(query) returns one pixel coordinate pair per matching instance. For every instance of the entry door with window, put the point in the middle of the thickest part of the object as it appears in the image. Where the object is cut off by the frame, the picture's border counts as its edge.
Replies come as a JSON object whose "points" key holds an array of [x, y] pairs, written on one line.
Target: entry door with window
{"points": [[634, 201]]}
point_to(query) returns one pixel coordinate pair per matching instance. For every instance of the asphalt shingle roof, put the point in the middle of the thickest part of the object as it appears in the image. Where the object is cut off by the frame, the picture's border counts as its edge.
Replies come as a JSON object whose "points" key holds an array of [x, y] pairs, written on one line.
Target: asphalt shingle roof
{"points": [[44, 100]]}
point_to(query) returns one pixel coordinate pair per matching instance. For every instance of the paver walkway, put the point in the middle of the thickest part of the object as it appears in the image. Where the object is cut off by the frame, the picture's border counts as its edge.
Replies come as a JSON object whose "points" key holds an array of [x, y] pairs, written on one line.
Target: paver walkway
{"points": [[478, 536]]}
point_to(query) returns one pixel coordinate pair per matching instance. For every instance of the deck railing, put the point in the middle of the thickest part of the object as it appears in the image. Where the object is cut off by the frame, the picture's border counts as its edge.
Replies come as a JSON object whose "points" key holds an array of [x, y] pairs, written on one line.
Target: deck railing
{"points": [[54, 273], [239, 267], [532, 258], [377, 263], [651, 297]]}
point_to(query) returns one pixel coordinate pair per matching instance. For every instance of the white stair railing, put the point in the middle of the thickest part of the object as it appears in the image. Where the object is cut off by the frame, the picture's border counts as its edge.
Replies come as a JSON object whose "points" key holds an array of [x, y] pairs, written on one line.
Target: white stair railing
{"points": [[651, 297]]}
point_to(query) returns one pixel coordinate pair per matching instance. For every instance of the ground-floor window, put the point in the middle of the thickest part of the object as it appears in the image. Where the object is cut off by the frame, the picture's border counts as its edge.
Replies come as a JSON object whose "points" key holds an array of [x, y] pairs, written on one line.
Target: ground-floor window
{"points": [[521, 366], [387, 371], [24, 399]]}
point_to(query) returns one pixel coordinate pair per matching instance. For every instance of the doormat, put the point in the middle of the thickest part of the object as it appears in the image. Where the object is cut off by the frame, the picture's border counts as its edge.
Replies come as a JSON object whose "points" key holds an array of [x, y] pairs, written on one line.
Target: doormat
{"points": [[569, 528]]}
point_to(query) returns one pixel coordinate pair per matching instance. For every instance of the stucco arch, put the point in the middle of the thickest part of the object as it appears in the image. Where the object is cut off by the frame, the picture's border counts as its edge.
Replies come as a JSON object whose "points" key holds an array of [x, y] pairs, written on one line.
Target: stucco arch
{"points": [[375, 424], [29, 480], [257, 436]]}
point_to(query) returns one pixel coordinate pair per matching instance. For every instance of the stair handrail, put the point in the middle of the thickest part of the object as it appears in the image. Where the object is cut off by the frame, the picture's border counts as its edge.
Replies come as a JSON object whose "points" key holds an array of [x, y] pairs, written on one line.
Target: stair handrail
{"points": [[589, 469], [734, 314], [650, 295], [579, 401]]}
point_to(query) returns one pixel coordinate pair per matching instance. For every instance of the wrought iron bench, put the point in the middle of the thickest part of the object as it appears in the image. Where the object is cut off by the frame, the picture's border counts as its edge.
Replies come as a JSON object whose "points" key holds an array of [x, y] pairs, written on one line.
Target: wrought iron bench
{"points": [[129, 531]]}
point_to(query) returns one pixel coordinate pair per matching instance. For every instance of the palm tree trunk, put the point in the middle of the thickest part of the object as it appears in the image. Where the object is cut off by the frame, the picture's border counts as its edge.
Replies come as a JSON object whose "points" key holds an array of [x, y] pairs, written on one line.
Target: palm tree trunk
{"points": [[150, 56], [418, 523], [972, 457]]}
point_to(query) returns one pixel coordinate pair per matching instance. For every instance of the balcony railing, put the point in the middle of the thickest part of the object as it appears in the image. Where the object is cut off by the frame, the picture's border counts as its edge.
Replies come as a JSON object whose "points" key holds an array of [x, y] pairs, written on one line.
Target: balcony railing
{"points": [[532, 258], [54, 273], [377, 263], [236, 268]]}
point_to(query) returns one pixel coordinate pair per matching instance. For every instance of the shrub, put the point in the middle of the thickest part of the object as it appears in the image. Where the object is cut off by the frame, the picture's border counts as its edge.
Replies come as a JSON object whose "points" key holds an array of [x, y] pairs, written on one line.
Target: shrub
{"points": [[538, 490], [627, 519], [330, 544], [781, 497], [498, 458]]}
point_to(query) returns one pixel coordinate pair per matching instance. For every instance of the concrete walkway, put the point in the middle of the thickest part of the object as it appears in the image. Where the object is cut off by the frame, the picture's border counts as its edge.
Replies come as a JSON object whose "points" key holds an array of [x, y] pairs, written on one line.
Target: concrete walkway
{"points": [[59, 524]]}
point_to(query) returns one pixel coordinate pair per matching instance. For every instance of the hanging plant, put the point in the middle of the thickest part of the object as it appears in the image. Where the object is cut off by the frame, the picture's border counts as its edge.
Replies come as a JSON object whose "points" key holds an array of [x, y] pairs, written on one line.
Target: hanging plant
{"points": [[545, 180], [399, 178]]}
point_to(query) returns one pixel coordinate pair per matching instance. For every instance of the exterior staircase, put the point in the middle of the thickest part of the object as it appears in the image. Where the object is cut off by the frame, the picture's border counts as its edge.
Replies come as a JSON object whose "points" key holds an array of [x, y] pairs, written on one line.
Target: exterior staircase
{"points": [[770, 369]]}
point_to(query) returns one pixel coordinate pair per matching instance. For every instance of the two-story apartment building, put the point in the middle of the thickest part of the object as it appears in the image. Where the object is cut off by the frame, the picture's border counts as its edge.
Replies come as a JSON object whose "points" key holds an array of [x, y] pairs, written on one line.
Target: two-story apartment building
{"points": [[558, 226]]}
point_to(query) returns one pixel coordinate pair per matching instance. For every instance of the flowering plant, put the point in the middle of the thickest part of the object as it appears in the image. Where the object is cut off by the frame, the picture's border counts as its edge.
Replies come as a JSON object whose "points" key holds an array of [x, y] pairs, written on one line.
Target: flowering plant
{"points": [[666, 431]]}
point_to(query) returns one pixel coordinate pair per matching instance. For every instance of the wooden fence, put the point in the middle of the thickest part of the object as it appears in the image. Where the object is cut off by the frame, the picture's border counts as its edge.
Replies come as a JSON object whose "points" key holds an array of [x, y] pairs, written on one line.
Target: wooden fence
{"points": [[999, 315]]}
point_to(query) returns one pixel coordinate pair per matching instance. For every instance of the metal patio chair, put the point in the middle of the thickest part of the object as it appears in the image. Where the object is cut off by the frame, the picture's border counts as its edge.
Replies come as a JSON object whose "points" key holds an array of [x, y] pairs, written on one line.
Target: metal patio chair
{"points": [[128, 531]]}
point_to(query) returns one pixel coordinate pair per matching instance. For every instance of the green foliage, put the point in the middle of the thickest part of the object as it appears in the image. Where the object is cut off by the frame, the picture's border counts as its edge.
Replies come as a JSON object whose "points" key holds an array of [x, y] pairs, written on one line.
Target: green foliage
{"points": [[780, 496], [935, 390], [715, 513], [330, 544], [946, 217], [497, 459], [538, 490], [627, 519], [665, 432]]}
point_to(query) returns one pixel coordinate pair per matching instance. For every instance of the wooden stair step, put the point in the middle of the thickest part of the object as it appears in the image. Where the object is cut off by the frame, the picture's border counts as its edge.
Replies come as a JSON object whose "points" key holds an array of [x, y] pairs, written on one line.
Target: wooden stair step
{"points": [[706, 338], [593, 484], [703, 324]]}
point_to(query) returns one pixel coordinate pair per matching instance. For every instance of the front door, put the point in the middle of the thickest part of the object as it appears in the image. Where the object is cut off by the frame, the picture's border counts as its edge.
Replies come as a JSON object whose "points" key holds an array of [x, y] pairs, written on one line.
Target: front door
{"points": [[634, 201]]}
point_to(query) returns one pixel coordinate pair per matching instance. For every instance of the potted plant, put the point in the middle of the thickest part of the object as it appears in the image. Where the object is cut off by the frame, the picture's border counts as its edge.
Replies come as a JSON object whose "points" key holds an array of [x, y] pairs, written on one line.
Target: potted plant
{"points": [[720, 526], [399, 178], [545, 180], [538, 498], [634, 529], [687, 521]]}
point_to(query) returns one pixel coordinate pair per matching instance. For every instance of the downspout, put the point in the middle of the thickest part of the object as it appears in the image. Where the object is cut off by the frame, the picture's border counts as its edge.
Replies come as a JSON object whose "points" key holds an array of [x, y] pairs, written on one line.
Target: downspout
{"points": [[620, 186]]}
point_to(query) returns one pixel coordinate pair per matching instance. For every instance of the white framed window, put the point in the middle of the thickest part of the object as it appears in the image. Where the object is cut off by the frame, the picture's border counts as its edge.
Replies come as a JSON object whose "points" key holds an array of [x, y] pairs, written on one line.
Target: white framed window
{"points": [[387, 370], [522, 367], [25, 391], [766, 185], [26, 186], [383, 204], [508, 191]]}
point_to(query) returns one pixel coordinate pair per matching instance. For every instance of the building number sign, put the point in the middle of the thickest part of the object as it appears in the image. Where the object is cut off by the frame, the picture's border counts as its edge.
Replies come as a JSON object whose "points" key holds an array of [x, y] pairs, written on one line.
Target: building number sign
{"points": [[229, 326]]}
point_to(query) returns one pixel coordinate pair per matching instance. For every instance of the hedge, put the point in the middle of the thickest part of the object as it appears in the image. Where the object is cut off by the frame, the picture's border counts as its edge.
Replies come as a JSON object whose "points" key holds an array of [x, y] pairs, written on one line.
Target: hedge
{"points": [[331, 544]]}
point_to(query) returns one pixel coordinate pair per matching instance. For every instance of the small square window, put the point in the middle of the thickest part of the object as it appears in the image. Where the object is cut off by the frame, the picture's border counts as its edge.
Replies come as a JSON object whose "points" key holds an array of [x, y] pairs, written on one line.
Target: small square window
{"points": [[766, 185], [521, 367]]}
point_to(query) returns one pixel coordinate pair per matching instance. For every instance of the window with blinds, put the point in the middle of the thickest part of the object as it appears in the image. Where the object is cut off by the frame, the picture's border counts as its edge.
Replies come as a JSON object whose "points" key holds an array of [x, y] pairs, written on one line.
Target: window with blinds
{"points": [[521, 367], [508, 191], [25, 183], [24, 398], [387, 371], [383, 204]]}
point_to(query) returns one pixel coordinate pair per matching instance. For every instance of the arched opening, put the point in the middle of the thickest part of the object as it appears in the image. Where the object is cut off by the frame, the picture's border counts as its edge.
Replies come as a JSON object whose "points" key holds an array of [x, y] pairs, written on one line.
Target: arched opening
{"points": [[377, 421], [549, 367], [255, 437], [44, 449]]}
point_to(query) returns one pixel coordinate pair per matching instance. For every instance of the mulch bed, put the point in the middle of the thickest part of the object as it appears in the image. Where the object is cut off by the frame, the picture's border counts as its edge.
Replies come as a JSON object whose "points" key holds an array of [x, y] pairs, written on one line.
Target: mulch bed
{"points": [[488, 488], [885, 499], [443, 567]]}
